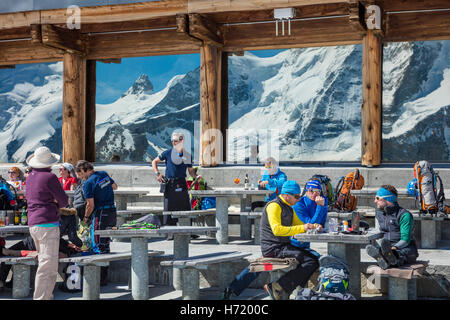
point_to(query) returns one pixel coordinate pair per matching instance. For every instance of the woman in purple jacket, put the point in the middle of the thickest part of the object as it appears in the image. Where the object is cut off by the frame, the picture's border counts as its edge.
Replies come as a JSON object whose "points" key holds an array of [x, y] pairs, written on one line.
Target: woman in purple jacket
{"points": [[45, 197]]}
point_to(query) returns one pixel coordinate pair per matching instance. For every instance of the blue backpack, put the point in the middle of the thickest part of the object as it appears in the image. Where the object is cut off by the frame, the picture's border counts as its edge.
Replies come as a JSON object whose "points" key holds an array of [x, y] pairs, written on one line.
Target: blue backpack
{"points": [[334, 275]]}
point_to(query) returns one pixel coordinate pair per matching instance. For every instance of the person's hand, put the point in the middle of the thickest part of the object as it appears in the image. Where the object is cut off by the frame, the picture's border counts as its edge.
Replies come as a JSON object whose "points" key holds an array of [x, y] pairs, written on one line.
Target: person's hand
{"points": [[74, 247], [160, 178], [308, 226], [318, 227], [394, 248], [199, 177], [263, 184], [320, 201]]}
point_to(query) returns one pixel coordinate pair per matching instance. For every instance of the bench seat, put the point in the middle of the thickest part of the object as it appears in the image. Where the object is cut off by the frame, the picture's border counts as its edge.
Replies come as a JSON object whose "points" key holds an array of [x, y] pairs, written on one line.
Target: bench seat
{"points": [[402, 284], [190, 270], [91, 272]]}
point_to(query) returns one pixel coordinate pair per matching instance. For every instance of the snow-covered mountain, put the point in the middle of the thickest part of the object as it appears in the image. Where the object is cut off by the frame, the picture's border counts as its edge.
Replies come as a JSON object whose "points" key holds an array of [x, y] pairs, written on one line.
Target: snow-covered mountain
{"points": [[309, 98]]}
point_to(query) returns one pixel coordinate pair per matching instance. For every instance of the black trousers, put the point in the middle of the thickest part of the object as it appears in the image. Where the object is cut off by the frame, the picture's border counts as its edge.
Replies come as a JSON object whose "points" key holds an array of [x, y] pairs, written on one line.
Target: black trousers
{"points": [[176, 198], [103, 219], [308, 263], [406, 255], [69, 226]]}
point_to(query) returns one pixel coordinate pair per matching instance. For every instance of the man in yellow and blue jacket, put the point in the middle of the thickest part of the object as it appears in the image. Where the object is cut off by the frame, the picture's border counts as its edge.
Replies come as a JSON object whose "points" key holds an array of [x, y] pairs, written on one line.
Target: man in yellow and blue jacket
{"points": [[278, 223]]}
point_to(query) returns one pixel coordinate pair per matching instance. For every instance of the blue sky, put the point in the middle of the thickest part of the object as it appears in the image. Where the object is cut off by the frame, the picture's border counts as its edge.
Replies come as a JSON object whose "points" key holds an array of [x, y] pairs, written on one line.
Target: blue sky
{"points": [[114, 79]]}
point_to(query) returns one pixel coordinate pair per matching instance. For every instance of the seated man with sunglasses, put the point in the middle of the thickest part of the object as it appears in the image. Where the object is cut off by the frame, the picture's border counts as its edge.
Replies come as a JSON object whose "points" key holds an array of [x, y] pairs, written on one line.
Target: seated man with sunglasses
{"points": [[397, 247], [312, 207], [278, 224]]}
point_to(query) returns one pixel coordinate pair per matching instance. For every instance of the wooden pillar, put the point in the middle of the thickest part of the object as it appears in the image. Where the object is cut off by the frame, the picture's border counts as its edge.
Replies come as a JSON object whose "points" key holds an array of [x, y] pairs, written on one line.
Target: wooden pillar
{"points": [[210, 101], [224, 103], [74, 108], [90, 110], [371, 123]]}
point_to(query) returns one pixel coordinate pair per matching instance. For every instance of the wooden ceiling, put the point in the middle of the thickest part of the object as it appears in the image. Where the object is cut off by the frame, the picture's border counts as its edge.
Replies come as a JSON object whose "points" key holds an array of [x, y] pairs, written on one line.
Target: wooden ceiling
{"points": [[181, 26]]}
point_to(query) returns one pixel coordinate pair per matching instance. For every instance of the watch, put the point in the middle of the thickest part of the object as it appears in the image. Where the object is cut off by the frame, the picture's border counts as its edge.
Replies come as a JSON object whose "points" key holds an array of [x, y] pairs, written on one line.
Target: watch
{"points": [[157, 173]]}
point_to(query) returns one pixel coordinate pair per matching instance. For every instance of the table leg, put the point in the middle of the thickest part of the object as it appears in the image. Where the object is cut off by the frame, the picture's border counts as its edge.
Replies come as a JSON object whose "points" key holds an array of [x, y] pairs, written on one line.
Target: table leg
{"points": [[139, 268], [91, 282], [222, 219], [257, 227], [246, 226], [180, 251], [428, 234], [352, 255], [121, 202]]}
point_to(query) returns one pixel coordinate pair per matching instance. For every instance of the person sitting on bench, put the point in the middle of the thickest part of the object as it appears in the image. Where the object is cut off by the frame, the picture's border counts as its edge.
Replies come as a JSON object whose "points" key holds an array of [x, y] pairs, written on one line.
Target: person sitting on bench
{"points": [[272, 179], [278, 223], [397, 247]]}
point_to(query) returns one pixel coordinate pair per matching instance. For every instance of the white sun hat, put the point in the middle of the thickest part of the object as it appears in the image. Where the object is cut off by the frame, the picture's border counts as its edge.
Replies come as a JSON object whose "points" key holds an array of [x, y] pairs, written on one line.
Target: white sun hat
{"points": [[42, 158]]}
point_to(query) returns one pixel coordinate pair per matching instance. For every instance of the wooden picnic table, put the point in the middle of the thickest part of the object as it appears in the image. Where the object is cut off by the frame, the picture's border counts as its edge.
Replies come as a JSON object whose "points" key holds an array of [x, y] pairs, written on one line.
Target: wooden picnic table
{"points": [[347, 247], [222, 196], [139, 248]]}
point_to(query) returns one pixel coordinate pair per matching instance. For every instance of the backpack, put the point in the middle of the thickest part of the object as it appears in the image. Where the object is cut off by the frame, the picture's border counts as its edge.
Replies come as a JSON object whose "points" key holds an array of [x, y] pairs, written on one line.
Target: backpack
{"points": [[426, 181], [327, 188], [6, 194], [309, 294], [196, 202], [334, 275], [343, 199]]}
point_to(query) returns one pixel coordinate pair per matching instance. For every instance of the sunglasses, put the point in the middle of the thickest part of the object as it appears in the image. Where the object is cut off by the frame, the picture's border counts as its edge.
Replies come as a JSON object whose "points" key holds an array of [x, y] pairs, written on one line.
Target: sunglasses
{"points": [[296, 196], [314, 190], [27, 171], [268, 166], [379, 198], [11, 172], [176, 140]]}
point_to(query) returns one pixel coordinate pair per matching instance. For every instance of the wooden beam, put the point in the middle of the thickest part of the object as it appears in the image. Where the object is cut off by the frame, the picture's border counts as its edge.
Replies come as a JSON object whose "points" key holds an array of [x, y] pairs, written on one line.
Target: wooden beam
{"points": [[20, 52], [223, 121], [210, 98], [71, 41], [407, 5], [208, 6], [357, 16], [138, 44], [91, 82], [118, 12], [19, 19], [372, 100], [304, 33], [74, 108], [8, 67], [117, 61], [418, 26], [205, 29]]}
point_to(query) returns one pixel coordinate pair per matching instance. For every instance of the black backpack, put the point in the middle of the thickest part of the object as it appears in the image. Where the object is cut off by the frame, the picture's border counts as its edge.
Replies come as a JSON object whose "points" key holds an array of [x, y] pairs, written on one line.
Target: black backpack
{"points": [[327, 188]]}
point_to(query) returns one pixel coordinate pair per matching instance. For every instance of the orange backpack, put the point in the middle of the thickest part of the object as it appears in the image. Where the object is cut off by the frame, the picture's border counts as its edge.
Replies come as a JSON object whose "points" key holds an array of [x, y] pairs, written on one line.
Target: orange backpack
{"points": [[344, 200]]}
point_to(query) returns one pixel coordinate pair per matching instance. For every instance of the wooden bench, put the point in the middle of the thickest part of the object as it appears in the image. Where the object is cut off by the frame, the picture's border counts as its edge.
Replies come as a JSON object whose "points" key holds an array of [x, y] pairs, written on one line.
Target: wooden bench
{"points": [[402, 281], [190, 270], [91, 272]]}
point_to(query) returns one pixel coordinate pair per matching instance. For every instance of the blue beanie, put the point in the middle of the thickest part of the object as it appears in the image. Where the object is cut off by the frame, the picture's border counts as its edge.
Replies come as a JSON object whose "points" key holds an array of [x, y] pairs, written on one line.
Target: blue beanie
{"points": [[290, 187], [313, 184], [386, 195]]}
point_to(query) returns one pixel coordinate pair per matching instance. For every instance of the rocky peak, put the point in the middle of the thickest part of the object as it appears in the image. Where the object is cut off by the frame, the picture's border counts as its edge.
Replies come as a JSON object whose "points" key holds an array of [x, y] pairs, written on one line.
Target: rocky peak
{"points": [[141, 85]]}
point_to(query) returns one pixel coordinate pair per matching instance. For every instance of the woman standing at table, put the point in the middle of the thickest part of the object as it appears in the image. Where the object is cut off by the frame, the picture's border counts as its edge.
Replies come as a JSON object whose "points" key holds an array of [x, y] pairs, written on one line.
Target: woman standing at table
{"points": [[16, 178], [176, 196], [45, 197]]}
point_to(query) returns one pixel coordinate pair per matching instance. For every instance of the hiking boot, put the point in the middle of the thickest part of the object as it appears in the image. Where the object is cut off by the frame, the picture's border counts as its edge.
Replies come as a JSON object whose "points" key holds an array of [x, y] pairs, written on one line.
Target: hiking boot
{"points": [[274, 290], [376, 254], [386, 251], [226, 294]]}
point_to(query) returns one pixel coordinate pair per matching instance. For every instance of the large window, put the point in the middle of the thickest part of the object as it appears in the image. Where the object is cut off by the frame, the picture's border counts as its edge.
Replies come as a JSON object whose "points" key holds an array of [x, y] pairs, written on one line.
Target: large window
{"points": [[416, 101], [296, 105], [30, 110], [141, 101]]}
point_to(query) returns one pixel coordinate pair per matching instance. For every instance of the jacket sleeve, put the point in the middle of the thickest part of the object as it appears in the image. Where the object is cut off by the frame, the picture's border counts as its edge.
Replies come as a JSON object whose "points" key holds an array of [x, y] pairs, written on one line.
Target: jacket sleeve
{"points": [[406, 226], [320, 215], [274, 216], [277, 182], [57, 191]]}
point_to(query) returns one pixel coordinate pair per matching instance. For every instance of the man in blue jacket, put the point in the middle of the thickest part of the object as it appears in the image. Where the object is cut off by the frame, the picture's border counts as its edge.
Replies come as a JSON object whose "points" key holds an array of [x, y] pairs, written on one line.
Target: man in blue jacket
{"points": [[311, 208]]}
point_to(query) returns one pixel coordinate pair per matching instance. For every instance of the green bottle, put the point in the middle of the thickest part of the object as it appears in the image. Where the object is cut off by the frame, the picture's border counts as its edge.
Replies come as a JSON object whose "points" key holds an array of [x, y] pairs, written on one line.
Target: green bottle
{"points": [[23, 217]]}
